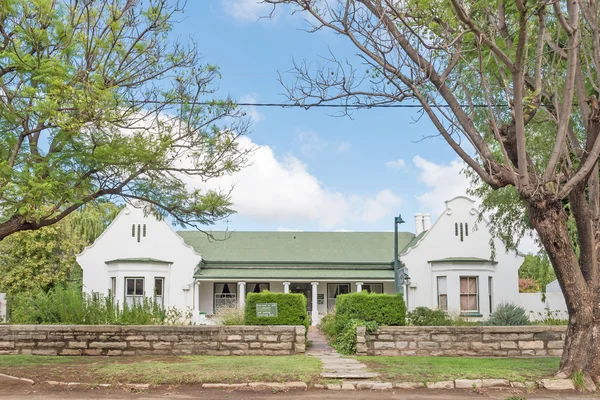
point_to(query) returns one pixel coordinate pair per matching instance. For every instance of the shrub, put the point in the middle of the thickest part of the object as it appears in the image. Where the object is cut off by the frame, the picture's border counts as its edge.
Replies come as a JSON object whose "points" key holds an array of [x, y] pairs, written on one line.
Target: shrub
{"points": [[508, 314], [231, 316], [383, 309], [291, 309], [327, 326], [423, 316], [68, 305], [549, 317], [345, 342]]}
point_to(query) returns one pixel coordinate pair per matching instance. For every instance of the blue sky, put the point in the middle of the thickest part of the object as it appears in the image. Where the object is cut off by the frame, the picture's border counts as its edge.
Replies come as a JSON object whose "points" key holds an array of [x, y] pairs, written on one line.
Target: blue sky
{"points": [[313, 171]]}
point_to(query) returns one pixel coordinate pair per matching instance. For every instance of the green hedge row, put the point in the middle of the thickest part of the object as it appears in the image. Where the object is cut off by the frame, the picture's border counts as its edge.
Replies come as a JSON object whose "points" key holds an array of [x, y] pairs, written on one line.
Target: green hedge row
{"points": [[381, 308], [291, 309]]}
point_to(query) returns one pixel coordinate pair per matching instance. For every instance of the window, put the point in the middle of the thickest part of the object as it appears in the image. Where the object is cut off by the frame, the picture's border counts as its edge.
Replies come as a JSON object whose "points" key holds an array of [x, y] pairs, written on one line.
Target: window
{"points": [[159, 289], [144, 231], [113, 289], [469, 296], [490, 294], [333, 291], [373, 287], [133, 230], [442, 291], [134, 290], [256, 287], [225, 296]]}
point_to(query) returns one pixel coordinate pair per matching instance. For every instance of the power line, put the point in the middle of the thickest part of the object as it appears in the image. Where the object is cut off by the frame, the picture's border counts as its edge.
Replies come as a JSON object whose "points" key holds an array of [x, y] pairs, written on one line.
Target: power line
{"points": [[283, 105], [290, 105]]}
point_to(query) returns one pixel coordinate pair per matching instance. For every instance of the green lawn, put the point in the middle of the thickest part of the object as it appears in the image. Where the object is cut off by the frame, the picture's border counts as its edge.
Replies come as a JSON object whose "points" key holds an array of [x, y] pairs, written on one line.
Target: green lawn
{"points": [[430, 369], [163, 370]]}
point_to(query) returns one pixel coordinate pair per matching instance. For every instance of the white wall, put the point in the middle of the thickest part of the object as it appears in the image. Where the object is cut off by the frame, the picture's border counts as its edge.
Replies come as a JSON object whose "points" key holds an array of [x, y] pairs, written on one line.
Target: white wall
{"points": [[537, 309], [441, 242], [160, 243]]}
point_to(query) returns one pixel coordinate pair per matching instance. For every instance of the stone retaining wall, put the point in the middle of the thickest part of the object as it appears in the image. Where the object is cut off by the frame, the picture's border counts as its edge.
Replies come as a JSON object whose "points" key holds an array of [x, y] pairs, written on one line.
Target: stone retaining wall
{"points": [[502, 341], [102, 340]]}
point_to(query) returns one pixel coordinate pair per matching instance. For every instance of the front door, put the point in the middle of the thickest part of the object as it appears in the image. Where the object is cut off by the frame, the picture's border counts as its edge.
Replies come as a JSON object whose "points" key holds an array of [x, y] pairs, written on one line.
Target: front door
{"points": [[306, 290]]}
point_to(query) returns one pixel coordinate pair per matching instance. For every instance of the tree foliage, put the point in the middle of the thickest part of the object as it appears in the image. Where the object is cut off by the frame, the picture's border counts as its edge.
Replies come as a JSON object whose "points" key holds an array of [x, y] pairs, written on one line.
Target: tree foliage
{"points": [[39, 260], [97, 100]]}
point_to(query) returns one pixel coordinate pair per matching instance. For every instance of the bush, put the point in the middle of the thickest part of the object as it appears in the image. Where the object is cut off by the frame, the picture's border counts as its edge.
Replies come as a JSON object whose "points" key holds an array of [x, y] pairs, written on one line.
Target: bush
{"points": [[327, 325], [383, 309], [231, 316], [291, 309], [345, 342], [423, 316], [68, 305], [508, 314]]}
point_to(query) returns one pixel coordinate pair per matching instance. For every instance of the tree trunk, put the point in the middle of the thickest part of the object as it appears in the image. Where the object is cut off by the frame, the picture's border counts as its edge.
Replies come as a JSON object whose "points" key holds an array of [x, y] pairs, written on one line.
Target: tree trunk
{"points": [[581, 351]]}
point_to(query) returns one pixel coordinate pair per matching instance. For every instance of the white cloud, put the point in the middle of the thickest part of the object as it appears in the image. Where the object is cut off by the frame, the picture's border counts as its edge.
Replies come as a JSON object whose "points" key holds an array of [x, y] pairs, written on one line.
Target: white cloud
{"points": [[246, 10], [309, 143], [282, 229], [343, 230], [397, 164], [251, 111], [443, 182], [281, 190], [343, 147]]}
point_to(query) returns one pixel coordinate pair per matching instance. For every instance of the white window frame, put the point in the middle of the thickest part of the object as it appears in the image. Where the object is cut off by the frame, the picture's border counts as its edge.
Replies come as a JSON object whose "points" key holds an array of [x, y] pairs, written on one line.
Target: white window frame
{"points": [[112, 292], [442, 292], [223, 301], [131, 299], [491, 293], [160, 299], [468, 294], [331, 300], [250, 284], [369, 287]]}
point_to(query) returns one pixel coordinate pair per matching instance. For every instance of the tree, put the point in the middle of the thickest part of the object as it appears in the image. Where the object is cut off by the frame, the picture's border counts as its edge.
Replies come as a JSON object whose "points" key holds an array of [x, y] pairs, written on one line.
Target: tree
{"points": [[538, 270], [495, 78], [97, 101], [41, 259]]}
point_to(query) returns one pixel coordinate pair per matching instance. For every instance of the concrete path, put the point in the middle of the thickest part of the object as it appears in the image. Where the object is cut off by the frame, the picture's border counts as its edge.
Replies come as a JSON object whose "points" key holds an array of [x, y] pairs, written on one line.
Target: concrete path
{"points": [[335, 366]]}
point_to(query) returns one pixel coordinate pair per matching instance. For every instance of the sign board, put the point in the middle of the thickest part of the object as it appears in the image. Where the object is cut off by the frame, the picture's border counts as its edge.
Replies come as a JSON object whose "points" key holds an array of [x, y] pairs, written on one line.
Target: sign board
{"points": [[266, 310], [320, 299]]}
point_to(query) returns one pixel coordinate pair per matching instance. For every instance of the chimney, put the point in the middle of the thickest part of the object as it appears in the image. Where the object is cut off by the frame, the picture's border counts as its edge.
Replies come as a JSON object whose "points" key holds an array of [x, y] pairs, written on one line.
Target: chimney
{"points": [[426, 222], [418, 223]]}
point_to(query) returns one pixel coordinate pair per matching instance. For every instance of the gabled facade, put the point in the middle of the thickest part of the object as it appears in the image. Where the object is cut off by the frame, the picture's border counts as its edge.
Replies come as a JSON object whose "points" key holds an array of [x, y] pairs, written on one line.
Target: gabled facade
{"points": [[139, 255], [449, 264]]}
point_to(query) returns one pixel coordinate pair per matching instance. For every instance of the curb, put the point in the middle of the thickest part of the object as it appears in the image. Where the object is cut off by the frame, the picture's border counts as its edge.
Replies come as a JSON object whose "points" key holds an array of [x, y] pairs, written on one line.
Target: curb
{"points": [[146, 386], [548, 384]]}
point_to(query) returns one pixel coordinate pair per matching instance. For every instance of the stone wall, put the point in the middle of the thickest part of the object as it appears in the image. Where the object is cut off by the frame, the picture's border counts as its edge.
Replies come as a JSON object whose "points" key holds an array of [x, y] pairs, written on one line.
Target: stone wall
{"points": [[102, 340], [501, 341]]}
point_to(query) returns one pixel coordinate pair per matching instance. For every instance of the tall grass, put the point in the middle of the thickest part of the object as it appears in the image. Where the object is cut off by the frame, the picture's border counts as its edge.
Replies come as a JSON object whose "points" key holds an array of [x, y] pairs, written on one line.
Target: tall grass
{"points": [[68, 305]]}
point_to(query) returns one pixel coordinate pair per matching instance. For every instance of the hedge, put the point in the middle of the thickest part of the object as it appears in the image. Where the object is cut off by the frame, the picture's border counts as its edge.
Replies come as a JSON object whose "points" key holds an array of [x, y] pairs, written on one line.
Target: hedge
{"points": [[291, 309], [381, 308]]}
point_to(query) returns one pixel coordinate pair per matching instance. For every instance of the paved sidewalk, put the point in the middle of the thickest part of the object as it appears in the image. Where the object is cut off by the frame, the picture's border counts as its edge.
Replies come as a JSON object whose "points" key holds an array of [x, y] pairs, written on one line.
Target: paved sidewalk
{"points": [[335, 366]]}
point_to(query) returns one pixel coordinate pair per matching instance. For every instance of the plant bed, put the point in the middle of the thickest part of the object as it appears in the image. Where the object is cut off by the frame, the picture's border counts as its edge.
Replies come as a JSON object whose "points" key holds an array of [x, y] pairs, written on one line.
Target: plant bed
{"points": [[433, 369], [163, 370]]}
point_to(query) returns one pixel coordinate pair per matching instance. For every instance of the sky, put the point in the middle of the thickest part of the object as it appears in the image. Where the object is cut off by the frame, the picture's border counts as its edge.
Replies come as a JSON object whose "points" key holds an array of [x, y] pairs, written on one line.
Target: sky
{"points": [[312, 171]]}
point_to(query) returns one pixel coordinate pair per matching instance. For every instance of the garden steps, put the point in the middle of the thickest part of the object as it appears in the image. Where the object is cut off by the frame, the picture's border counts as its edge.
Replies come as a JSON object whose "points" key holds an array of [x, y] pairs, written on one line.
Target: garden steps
{"points": [[334, 365]]}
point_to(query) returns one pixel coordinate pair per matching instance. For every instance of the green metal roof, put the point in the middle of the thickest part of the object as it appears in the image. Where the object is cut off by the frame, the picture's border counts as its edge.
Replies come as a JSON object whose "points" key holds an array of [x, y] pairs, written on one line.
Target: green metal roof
{"points": [[293, 273], [413, 242], [296, 247], [463, 260], [140, 260]]}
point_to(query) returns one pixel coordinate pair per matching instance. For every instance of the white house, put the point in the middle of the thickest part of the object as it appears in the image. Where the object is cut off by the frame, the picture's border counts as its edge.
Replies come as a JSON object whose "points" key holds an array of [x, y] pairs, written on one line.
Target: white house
{"points": [[450, 264]]}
